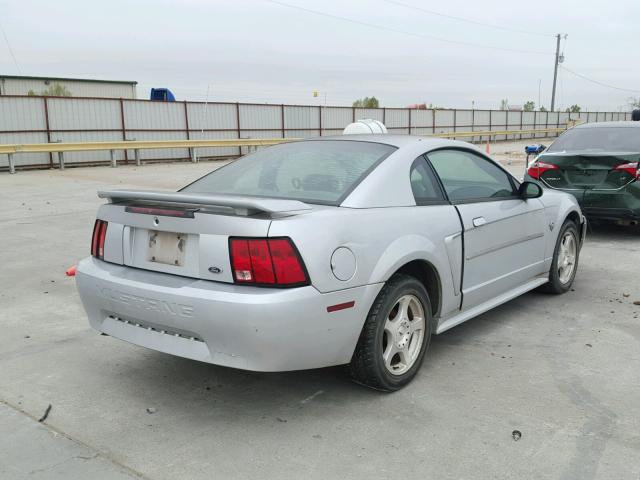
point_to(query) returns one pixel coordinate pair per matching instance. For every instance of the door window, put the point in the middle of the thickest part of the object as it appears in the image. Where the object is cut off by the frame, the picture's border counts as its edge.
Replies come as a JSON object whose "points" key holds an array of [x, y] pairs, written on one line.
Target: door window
{"points": [[467, 176]]}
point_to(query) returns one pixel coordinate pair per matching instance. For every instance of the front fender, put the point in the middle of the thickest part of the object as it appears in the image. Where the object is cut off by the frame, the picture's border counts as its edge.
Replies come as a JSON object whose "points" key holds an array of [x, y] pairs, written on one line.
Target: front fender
{"points": [[558, 207]]}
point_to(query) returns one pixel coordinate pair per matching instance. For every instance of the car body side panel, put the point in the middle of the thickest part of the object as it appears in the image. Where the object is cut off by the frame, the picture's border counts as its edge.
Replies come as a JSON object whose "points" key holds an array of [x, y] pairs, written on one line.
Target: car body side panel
{"points": [[506, 251], [381, 239]]}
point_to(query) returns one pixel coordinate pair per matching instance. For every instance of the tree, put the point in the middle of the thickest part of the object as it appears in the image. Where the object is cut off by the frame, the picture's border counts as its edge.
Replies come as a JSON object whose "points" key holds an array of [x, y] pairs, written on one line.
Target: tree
{"points": [[634, 102], [542, 109], [529, 106], [504, 104], [574, 109], [367, 102], [55, 90]]}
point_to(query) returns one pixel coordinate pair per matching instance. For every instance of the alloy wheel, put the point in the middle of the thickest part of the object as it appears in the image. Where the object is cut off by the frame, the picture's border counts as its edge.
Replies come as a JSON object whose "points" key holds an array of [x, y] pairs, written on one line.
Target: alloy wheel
{"points": [[404, 331]]}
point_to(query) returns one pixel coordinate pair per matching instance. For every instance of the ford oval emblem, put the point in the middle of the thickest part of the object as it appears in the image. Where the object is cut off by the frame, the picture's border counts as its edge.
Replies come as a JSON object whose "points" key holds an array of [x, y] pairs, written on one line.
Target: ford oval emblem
{"points": [[215, 269]]}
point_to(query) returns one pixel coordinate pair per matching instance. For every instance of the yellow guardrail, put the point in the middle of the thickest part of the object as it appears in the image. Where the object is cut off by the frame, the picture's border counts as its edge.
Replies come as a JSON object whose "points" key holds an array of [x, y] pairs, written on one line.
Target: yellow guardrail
{"points": [[493, 133], [136, 145]]}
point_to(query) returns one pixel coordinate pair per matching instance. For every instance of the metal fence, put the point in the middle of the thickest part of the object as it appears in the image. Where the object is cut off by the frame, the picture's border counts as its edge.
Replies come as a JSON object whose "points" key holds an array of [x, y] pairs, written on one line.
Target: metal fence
{"points": [[28, 119]]}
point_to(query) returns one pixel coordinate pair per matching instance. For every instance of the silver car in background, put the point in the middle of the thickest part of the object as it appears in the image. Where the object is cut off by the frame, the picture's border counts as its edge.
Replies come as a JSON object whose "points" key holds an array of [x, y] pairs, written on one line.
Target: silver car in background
{"points": [[341, 250]]}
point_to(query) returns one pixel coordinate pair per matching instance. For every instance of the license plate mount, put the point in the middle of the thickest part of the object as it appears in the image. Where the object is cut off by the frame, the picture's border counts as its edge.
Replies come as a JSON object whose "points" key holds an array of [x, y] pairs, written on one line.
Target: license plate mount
{"points": [[167, 248]]}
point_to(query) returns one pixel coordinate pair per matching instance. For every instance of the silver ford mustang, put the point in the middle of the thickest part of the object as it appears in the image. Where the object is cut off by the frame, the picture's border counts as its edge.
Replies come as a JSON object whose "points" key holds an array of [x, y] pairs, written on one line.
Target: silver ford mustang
{"points": [[341, 250]]}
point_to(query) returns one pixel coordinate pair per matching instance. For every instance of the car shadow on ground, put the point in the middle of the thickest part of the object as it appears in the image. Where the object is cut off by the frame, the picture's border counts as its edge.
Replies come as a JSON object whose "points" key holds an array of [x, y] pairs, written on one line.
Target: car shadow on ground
{"points": [[178, 380], [610, 231]]}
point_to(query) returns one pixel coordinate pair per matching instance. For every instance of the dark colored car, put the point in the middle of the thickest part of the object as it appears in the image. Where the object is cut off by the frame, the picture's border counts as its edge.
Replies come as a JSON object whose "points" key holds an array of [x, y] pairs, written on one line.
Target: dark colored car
{"points": [[599, 163]]}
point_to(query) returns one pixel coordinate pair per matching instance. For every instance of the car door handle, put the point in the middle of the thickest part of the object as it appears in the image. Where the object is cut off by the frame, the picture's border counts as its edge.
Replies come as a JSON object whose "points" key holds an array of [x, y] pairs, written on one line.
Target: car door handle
{"points": [[479, 221]]}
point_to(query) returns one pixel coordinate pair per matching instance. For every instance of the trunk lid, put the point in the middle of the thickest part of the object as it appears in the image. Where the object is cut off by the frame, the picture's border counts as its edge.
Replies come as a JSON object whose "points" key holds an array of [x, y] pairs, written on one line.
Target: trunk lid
{"points": [[587, 171], [185, 234]]}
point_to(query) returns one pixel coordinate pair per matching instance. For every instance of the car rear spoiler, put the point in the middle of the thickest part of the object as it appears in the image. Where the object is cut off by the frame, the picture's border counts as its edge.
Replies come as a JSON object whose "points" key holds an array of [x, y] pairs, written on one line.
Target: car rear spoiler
{"points": [[242, 205]]}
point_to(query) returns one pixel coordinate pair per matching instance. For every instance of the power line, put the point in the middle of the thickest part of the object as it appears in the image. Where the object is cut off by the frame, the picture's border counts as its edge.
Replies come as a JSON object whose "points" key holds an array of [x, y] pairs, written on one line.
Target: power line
{"points": [[6, 39], [467, 20], [602, 84], [403, 32]]}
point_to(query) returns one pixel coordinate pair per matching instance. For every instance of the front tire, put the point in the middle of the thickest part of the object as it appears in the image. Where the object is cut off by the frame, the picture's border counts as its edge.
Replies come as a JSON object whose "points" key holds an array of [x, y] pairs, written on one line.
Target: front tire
{"points": [[395, 336], [564, 264]]}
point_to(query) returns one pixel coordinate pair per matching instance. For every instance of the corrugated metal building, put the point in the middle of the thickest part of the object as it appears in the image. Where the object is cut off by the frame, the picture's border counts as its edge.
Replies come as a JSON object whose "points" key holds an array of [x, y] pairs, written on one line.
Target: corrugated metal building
{"points": [[76, 87]]}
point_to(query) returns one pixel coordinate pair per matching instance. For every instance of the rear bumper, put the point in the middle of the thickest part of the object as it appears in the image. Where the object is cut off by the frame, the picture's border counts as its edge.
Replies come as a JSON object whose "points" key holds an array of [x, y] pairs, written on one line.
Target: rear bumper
{"points": [[237, 326]]}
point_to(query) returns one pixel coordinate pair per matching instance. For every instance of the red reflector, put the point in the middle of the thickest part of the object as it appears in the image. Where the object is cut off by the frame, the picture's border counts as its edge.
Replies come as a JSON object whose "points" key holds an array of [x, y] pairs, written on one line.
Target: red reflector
{"points": [[340, 306], [538, 168], [266, 261], [631, 168], [98, 238]]}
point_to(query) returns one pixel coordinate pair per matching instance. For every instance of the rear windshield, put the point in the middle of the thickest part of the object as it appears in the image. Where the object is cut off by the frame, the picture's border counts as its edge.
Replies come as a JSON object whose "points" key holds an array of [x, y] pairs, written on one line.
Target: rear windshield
{"points": [[312, 171], [598, 139]]}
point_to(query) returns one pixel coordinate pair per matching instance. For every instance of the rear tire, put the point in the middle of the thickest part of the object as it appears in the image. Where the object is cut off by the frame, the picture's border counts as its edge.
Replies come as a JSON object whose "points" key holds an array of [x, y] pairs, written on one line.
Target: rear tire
{"points": [[395, 336], [564, 264]]}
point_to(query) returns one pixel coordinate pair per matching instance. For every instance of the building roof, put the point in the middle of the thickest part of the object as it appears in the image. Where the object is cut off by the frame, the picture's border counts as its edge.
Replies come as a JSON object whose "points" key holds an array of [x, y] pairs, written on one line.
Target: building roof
{"points": [[60, 79]]}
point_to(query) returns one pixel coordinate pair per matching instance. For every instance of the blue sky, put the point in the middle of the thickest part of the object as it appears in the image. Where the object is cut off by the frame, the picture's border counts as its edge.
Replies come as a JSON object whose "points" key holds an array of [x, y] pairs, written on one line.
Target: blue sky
{"points": [[259, 51]]}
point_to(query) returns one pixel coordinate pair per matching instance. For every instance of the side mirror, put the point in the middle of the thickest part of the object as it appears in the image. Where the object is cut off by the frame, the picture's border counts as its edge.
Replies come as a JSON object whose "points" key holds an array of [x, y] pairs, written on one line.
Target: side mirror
{"points": [[529, 190]]}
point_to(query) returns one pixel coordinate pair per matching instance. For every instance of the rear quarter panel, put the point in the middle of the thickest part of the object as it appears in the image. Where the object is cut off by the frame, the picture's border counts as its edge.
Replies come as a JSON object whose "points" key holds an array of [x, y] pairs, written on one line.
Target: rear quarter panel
{"points": [[381, 239]]}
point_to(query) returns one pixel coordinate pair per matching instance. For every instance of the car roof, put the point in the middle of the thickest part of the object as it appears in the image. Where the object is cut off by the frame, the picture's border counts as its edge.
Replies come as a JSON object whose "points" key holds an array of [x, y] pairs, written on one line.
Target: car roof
{"points": [[616, 124], [399, 141]]}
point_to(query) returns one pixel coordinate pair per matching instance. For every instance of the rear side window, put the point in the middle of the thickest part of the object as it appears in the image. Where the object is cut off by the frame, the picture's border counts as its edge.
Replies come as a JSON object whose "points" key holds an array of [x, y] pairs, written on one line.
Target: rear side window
{"points": [[313, 171], [467, 176], [424, 183]]}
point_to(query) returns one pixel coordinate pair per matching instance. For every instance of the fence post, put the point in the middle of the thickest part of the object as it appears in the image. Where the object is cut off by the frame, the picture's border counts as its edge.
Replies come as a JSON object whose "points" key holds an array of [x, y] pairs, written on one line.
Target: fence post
{"points": [[473, 123], [12, 167], [60, 156], [124, 130], [194, 157], [521, 120], [112, 153], [136, 153], [238, 126], [454, 122], [46, 122]]}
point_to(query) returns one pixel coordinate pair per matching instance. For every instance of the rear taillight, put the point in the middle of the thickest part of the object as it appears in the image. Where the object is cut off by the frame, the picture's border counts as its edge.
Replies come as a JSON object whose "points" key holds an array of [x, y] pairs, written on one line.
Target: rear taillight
{"points": [[538, 168], [98, 238], [267, 261], [632, 169]]}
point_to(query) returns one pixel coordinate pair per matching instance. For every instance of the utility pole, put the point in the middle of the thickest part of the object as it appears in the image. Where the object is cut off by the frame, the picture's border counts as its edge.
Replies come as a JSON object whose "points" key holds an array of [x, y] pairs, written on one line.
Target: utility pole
{"points": [[555, 73]]}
